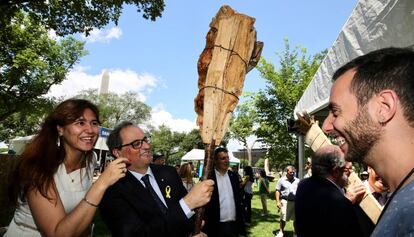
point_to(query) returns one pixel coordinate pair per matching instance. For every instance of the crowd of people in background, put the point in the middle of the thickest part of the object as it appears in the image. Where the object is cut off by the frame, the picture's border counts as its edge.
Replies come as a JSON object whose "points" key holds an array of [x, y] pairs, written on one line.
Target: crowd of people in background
{"points": [[371, 105]]}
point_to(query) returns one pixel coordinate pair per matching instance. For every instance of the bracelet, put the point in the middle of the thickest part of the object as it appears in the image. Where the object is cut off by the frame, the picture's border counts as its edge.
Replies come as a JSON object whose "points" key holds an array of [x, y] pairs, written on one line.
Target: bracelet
{"points": [[88, 202]]}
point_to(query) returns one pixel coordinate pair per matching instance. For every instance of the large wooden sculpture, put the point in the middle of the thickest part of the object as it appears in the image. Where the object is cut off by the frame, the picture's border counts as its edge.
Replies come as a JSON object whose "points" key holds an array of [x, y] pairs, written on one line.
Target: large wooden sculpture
{"points": [[231, 51]]}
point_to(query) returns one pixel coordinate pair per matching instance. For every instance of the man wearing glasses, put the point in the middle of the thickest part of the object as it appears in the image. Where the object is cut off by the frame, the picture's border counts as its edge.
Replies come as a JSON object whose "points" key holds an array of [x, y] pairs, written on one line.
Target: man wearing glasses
{"points": [[150, 200]]}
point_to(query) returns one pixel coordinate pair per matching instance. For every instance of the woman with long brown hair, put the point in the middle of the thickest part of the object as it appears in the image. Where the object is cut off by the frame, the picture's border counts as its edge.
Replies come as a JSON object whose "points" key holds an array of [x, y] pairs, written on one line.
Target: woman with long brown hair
{"points": [[186, 174], [53, 179], [246, 185]]}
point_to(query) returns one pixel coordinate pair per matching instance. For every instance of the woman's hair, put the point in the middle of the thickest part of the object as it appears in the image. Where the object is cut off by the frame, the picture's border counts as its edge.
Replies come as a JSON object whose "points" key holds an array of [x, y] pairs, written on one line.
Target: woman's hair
{"points": [[248, 171], [263, 174], [185, 172], [42, 156]]}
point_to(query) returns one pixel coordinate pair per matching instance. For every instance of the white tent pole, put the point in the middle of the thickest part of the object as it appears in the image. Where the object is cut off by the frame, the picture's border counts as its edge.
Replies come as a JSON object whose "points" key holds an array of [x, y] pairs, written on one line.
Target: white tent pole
{"points": [[301, 154]]}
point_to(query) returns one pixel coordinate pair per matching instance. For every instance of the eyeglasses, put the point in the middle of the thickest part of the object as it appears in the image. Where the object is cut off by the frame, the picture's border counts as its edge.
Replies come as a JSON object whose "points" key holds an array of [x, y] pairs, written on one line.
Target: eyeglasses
{"points": [[136, 144]]}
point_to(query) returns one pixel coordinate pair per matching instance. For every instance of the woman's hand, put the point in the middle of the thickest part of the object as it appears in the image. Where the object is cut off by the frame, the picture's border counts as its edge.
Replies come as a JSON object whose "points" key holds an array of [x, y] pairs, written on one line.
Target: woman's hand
{"points": [[114, 171]]}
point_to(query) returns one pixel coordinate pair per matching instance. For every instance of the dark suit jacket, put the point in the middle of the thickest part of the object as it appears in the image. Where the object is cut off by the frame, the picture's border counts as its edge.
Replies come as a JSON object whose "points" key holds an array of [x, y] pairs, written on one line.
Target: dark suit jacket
{"points": [[128, 209], [212, 209], [321, 209]]}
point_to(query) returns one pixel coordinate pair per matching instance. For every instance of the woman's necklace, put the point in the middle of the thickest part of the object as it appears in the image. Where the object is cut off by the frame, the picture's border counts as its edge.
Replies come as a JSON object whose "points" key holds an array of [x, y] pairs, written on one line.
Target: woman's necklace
{"points": [[395, 192], [71, 170], [71, 178]]}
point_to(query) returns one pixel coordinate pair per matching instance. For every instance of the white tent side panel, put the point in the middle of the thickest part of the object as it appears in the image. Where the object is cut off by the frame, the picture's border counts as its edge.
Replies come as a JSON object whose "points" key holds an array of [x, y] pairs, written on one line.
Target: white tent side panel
{"points": [[373, 24], [101, 144], [19, 143]]}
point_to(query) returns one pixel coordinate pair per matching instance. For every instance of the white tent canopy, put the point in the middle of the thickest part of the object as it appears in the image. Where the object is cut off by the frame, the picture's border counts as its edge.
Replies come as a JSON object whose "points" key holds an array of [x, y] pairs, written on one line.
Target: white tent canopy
{"points": [[18, 144], [101, 144], [198, 155], [372, 25]]}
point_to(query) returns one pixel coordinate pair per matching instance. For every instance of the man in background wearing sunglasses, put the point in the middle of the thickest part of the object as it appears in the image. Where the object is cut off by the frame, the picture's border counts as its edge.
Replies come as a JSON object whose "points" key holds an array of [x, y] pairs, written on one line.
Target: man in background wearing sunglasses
{"points": [[150, 200]]}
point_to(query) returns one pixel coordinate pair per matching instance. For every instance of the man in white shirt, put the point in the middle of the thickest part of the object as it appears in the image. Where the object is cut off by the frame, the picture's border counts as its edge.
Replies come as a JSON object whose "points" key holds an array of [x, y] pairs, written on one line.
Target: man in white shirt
{"points": [[223, 214], [285, 198]]}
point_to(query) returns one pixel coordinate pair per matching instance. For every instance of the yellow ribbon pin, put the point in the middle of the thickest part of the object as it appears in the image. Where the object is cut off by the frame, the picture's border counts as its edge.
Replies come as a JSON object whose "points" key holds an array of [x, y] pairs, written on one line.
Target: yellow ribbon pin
{"points": [[168, 191]]}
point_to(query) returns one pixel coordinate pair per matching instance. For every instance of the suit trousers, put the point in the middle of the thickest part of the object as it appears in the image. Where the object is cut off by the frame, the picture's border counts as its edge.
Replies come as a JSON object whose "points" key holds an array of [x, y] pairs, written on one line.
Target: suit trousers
{"points": [[228, 229]]}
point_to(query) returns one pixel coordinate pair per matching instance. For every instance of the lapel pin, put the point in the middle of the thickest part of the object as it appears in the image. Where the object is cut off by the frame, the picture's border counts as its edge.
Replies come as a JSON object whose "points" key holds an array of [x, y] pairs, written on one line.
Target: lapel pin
{"points": [[168, 191]]}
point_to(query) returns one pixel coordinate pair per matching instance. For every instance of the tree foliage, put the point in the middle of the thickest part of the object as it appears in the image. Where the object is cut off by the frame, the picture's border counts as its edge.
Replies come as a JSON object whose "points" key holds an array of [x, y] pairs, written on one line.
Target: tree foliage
{"points": [[192, 140], [115, 108], [30, 63], [276, 103], [167, 142], [244, 122], [69, 17], [26, 122], [244, 117], [174, 145]]}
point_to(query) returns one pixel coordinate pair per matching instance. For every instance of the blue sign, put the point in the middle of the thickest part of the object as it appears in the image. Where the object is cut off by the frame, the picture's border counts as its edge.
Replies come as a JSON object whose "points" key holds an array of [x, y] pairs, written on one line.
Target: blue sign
{"points": [[104, 132]]}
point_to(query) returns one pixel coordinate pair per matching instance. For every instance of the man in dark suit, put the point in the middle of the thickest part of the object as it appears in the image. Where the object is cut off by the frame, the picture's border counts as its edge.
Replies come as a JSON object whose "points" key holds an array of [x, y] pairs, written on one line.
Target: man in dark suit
{"points": [[151, 199], [223, 214], [321, 206]]}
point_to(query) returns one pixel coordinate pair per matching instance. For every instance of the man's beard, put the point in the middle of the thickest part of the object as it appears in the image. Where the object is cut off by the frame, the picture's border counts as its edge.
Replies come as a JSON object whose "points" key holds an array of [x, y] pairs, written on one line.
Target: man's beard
{"points": [[363, 133]]}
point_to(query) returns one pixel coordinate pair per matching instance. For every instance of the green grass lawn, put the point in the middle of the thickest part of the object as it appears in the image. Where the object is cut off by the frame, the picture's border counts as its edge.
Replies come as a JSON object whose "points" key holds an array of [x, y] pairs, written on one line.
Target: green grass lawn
{"points": [[265, 226], [260, 226]]}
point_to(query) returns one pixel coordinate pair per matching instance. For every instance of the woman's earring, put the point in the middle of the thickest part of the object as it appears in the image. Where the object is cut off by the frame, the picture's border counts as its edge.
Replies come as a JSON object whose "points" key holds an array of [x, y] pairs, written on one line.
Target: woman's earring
{"points": [[58, 141]]}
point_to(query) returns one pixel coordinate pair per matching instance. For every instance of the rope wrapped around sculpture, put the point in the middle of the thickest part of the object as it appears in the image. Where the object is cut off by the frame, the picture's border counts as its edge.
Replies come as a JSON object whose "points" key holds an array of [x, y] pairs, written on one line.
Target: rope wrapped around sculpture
{"points": [[231, 51]]}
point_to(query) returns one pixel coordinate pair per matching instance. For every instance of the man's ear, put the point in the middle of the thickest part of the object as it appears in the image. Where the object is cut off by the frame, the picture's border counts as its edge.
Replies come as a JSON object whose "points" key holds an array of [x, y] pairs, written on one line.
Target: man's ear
{"points": [[116, 153], [336, 172], [387, 101]]}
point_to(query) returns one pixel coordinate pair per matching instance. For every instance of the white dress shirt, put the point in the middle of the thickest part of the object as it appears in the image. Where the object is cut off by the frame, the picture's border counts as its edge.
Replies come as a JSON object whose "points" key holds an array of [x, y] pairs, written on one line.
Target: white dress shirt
{"points": [[226, 197]]}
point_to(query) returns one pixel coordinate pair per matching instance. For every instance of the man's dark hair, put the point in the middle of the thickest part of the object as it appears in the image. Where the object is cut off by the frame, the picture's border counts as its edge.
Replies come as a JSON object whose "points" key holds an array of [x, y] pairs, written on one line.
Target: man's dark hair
{"points": [[157, 156], [218, 150], [114, 139], [388, 68], [324, 163]]}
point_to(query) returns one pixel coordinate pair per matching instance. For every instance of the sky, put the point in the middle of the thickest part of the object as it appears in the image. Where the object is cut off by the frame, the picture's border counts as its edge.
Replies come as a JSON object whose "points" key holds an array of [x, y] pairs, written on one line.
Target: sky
{"points": [[158, 60]]}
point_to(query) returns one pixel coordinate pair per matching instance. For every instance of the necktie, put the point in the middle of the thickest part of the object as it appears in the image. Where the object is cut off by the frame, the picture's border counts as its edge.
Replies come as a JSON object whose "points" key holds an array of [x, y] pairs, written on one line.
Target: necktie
{"points": [[154, 195]]}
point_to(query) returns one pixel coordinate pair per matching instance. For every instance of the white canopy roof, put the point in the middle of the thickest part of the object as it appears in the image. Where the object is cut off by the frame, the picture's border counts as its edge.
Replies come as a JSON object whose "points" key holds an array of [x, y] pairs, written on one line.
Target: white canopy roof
{"points": [[372, 25], [101, 144], [198, 154], [17, 144]]}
